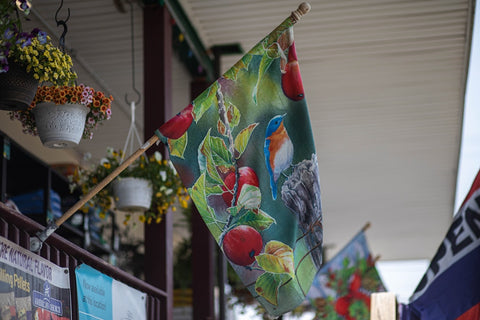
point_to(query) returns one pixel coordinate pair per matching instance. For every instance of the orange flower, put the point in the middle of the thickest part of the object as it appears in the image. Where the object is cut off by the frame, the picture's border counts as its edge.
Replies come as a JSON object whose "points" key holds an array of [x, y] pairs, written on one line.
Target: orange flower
{"points": [[105, 101], [74, 99], [103, 108], [96, 103], [63, 100], [100, 95], [48, 98]]}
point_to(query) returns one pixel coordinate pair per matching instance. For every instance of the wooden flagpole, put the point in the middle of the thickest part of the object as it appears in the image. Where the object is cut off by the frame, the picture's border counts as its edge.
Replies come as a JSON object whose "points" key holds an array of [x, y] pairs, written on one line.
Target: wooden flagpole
{"points": [[37, 240], [41, 236]]}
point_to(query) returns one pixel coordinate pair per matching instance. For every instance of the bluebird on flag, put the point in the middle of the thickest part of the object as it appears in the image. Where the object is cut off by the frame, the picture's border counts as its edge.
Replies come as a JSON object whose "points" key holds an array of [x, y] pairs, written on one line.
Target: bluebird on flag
{"points": [[450, 288], [244, 149], [342, 287]]}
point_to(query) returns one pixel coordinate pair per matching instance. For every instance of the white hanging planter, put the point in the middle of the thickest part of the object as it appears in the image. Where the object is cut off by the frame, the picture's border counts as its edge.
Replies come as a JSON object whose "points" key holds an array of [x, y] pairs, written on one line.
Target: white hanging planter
{"points": [[60, 126], [132, 194]]}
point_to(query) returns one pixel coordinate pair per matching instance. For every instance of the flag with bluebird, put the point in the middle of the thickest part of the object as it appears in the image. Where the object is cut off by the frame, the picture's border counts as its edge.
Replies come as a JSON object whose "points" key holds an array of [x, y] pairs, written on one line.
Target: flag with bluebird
{"points": [[244, 149]]}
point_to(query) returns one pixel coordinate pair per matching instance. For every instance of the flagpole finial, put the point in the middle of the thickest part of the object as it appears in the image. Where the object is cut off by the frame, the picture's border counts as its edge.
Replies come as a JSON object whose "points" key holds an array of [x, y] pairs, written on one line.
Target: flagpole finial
{"points": [[366, 226], [302, 9]]}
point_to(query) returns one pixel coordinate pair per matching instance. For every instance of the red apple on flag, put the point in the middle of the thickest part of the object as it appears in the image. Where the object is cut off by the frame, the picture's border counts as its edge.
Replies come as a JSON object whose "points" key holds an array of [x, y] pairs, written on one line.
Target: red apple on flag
{"points": [[342, 304], [247, 176], [292, 84], [178, 125], [242, 244]]}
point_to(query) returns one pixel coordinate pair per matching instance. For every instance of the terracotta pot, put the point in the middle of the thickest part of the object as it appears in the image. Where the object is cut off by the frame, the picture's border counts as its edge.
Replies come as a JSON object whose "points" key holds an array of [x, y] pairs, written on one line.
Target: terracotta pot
{"points": [[60, 126], [17, 88]]}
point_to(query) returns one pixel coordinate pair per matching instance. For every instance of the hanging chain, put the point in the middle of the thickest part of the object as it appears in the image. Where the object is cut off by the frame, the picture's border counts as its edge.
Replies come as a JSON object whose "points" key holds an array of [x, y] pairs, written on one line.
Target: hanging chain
{"points": [[62, 23], [132, 39]]}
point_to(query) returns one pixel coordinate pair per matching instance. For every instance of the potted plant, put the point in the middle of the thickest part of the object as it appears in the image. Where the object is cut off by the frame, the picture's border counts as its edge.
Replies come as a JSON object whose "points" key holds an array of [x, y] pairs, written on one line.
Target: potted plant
{"points": [[81, 110], [27, 58], [158, 173]]}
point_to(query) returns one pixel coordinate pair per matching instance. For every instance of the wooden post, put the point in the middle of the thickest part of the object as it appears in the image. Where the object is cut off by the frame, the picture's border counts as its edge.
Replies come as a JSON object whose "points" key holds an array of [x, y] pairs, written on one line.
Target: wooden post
{"points": [[157, 73], [383, 306], [203, 249]]}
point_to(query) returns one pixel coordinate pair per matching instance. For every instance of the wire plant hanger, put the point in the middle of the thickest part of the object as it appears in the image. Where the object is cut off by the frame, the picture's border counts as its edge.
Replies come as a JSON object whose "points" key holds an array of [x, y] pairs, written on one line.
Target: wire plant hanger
{"points": [[132, 132]]}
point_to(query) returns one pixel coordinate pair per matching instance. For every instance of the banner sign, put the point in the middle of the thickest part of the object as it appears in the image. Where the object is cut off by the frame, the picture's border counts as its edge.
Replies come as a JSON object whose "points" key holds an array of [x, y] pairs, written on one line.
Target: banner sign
{"points": [[450, 286], [31, 287], [103, 298]]}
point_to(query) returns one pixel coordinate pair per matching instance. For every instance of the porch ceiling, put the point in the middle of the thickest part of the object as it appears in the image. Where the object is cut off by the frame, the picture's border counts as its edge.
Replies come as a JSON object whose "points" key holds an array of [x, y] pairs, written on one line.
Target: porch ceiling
{"points": [[384, 81]]}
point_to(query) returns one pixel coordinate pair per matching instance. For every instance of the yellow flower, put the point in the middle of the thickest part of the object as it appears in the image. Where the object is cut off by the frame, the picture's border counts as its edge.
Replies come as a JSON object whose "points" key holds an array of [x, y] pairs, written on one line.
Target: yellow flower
{"points": [[184, 203], [141, 218]]}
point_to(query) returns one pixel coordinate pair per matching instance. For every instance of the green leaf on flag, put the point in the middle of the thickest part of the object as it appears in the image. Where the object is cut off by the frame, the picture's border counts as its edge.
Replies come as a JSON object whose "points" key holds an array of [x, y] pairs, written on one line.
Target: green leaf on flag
{"points": [[221, 157], [177, 146], [268, 284], [204, 101], [233, 116], [241, 140], [221, 128], [250, 197], [262, 69], [278, 258], [241, 64], [259, 221], [215, 189], [206, 161], [199, 197]]}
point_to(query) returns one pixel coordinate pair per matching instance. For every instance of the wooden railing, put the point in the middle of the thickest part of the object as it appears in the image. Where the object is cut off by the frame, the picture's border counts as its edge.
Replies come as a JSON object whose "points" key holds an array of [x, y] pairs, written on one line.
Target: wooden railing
{"points": [[18, 229]]}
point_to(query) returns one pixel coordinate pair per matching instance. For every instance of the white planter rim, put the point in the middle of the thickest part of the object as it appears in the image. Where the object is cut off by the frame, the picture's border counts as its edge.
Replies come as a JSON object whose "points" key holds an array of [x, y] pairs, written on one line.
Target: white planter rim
{"points": [[132, 194], [60, 126]]}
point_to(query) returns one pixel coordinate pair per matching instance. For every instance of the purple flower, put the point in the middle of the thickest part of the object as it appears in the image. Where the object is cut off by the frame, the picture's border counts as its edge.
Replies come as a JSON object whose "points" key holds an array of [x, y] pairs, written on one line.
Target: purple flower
{"points": [[27, 43], [42, 37], [8, 34], [91, 120]]}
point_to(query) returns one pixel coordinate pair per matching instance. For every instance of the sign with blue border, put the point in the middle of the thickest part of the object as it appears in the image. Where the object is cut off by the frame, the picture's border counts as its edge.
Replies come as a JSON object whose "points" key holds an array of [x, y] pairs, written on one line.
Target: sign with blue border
{"points": [[103, 298]]}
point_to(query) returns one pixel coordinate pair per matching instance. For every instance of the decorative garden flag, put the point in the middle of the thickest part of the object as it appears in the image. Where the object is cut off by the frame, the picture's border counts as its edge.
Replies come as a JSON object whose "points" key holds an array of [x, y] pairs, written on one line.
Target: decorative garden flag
{"points": [[245, 151], [451, 285], [342, 288]]}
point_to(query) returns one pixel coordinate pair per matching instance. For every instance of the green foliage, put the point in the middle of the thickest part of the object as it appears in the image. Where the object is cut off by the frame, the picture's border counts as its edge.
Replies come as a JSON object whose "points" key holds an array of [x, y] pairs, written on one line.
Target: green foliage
{"points": [[166, 184]]}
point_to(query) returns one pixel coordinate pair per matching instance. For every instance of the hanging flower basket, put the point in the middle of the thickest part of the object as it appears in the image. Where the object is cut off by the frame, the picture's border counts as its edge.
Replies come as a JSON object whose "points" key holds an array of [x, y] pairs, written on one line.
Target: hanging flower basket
{"points": [[132, 194], [56, 99], [167, 189], [60, 126], [17, 88]]}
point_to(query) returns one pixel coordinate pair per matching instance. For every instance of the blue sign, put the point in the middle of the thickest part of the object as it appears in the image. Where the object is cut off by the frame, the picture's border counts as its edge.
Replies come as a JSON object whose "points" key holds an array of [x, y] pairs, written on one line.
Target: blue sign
{"points": [[94, 292]]}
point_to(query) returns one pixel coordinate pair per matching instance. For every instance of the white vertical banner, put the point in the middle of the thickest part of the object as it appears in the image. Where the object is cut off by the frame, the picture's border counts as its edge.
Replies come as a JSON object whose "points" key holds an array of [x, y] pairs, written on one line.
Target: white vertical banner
{"points": [[128, 303]]}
